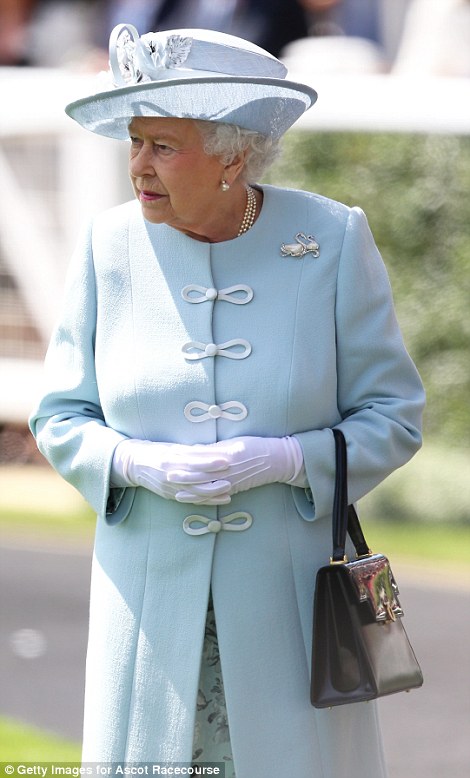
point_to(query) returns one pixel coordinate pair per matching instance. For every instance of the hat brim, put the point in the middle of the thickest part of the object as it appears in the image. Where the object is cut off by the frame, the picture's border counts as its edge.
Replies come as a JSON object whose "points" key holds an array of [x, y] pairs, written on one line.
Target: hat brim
{"points": [[266, 105]]}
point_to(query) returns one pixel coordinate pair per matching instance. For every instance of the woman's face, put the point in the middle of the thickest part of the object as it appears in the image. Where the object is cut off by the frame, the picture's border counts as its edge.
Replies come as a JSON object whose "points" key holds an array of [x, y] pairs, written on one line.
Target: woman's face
{"points": [[175, 181]]}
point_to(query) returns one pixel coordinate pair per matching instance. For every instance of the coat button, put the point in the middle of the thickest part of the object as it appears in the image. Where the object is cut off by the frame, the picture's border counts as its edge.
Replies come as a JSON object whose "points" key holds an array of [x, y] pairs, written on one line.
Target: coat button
{"points": [[211, 293], [214, 412], [214, 526], [211, 350]]}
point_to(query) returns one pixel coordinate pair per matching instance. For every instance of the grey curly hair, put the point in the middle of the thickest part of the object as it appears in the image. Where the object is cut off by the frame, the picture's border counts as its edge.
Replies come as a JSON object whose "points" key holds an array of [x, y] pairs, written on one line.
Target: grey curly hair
{"points": [[228, 140]]}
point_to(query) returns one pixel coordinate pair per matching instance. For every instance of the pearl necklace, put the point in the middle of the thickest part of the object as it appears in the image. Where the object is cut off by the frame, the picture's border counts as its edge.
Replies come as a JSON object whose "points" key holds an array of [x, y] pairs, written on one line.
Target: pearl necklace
{"points": [[250, 212]]}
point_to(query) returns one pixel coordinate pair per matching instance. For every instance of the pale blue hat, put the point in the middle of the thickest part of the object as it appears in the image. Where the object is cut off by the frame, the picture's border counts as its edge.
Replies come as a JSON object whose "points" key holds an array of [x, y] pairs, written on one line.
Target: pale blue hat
{"points": [[193, 74]]}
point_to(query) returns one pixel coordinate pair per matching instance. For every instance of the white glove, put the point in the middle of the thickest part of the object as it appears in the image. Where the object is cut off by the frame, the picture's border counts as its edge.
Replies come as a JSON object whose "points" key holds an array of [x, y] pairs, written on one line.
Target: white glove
{"points": [[251, 462], [164, 467]]}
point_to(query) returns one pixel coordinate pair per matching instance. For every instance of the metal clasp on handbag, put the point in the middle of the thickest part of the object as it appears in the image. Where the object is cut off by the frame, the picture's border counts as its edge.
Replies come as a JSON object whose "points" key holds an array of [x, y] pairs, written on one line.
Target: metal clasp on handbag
{"points": [[375, 585]]}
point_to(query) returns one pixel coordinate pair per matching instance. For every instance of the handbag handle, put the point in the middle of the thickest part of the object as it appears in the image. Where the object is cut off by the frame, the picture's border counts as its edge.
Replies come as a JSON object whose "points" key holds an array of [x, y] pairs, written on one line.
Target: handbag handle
{"points": [[345, 518]]}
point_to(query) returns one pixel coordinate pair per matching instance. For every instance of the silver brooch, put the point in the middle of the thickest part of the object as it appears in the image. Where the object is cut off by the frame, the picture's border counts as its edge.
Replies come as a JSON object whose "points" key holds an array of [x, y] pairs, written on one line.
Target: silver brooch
{"points": [[306, 244]]}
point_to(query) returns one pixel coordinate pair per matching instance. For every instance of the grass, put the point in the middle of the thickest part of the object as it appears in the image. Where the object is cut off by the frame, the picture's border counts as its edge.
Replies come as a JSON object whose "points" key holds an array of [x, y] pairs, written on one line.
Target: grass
{"points": [[23, 743], [36, 502], [433, 543]]}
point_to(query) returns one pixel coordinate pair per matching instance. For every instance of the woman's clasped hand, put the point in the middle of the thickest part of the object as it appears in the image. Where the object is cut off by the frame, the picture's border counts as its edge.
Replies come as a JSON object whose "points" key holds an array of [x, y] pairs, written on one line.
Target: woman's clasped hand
{"points": [[206, 474]]}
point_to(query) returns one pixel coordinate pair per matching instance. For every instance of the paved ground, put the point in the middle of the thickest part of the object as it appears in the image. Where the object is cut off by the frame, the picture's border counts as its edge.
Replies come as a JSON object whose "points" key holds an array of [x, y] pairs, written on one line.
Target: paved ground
{"points": [[43, 603], [43, 607]]}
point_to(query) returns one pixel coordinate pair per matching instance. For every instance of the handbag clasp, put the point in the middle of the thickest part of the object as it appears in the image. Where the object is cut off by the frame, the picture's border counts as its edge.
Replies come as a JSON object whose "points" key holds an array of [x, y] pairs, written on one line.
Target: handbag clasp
{"points": [[375, 585]]}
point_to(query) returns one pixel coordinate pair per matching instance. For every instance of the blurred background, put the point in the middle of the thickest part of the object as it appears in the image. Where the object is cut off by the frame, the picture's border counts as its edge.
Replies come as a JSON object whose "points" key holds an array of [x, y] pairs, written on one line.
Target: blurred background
{"points": [[391, 133]]}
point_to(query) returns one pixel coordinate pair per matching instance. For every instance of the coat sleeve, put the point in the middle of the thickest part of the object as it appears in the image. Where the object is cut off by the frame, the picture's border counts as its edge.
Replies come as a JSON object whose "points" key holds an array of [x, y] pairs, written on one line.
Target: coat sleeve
{"points": [[380, 397], [68, 421]]}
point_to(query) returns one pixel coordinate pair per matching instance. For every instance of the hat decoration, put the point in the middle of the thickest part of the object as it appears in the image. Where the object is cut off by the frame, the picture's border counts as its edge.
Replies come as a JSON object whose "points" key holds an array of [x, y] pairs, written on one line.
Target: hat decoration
{"points": [[198, 74], [135, 60]]}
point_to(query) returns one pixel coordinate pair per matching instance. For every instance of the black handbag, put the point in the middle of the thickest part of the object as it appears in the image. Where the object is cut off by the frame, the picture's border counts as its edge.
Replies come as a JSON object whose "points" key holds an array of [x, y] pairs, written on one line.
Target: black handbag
{"points": [[360, 648]]}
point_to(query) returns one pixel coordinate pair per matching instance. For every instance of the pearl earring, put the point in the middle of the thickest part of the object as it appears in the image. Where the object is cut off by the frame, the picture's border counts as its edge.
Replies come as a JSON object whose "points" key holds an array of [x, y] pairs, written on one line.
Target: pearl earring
{"points": [[224, 185]]}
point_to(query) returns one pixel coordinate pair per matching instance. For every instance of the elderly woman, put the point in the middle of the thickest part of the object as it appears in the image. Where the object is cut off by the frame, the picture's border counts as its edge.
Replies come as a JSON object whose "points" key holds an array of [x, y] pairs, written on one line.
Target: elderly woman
{"points": [[214, 332]]}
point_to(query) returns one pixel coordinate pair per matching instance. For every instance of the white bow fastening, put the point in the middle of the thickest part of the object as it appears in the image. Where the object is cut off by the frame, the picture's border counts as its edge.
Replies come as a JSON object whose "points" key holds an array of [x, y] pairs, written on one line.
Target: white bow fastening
{"points": [[230, 523], [193, 293], [197, 350], [232, 410]]}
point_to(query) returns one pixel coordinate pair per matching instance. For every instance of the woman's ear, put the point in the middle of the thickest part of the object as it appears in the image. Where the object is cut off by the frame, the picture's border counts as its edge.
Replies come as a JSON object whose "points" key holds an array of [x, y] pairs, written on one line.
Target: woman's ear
{"points": [[234, 170]]}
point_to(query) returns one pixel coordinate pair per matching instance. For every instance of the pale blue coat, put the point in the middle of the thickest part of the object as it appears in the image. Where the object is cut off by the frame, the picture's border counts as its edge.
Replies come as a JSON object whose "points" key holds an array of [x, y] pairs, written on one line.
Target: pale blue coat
{"points": [[325, 351]]}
